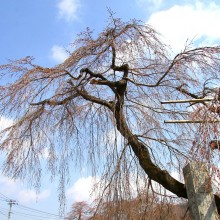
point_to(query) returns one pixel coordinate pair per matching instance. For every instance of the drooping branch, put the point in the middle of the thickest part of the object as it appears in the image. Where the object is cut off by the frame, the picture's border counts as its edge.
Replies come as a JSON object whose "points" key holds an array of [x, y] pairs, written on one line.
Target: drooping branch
{"points": [[71, 76], [52, 102], [167, 71], [152, 77]]}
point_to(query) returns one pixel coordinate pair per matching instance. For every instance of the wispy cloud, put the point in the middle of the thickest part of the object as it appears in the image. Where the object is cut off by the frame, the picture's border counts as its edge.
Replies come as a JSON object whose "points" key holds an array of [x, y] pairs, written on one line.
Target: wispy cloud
{"points": [[58, 54], [68, 9], [186, 22]]}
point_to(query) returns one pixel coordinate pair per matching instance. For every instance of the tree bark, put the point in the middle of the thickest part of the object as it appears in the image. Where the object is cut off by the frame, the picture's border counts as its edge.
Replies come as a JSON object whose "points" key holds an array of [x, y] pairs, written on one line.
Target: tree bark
{"points": [[142, 153]]}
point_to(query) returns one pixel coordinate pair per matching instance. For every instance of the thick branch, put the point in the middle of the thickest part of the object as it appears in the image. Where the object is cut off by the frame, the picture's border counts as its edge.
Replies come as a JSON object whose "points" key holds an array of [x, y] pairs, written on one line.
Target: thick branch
{"points": [[94, 99], [184, 91], [119, 87], [116, 84], [113, 54], [96, 75], [143, 155], [121, 68]]}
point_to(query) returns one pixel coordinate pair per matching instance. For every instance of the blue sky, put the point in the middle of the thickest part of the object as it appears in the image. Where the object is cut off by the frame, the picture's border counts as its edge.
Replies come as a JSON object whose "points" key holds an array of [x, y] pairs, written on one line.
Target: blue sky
{"points": [[44, 28]]}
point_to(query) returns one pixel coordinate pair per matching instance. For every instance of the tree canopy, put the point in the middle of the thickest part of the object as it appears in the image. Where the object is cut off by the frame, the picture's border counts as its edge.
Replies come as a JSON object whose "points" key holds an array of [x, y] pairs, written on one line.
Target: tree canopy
{"points": [[102, 106]]}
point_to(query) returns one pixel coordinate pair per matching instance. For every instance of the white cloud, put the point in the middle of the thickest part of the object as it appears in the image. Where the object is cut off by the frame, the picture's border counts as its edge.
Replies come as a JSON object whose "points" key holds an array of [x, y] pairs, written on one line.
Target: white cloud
{"points": [[181, 23], [8, 186], [5, 122], [68, 9], [58, 54], [27, 196], [15, 189], [81, 189], [45, 153], [113, 136]]}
